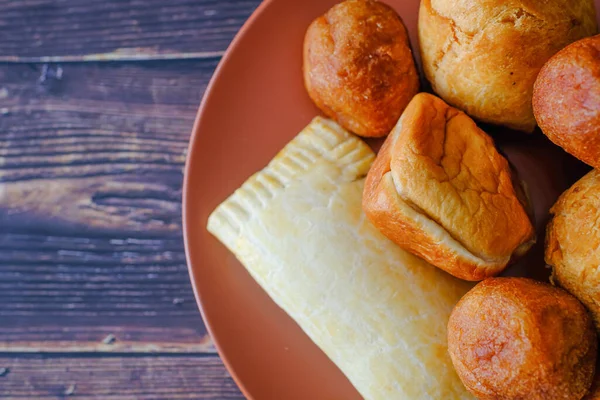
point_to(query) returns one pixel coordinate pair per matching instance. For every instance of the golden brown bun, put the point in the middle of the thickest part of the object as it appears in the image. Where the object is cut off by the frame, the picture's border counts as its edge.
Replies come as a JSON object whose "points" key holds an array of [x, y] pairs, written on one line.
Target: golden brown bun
{"points": [[515, 338], [573, 242], [440, 190], [358, 66], [483, 56], [566, 100]]}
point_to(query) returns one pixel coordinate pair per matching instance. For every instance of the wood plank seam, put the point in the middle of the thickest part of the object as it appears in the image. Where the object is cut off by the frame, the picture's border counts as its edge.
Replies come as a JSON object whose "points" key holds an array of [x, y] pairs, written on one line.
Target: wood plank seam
{"points": [[113, 57]]}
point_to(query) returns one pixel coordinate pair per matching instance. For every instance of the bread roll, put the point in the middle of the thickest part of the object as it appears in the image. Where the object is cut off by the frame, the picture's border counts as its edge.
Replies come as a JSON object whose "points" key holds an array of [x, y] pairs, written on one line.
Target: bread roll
{"points": [[573, 240], [378, 312], [483, 56], [358, 66], [440, 190], [515, 338], [566, 100]]}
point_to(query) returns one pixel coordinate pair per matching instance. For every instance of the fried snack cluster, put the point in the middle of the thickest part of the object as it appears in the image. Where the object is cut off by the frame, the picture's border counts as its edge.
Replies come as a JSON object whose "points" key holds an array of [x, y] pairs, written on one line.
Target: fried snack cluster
{"points": [[440, 189]]}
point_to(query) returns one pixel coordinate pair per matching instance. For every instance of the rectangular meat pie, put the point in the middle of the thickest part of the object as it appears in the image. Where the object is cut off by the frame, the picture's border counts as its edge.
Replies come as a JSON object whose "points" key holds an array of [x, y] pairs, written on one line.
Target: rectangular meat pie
{"points": [[377, 311]]}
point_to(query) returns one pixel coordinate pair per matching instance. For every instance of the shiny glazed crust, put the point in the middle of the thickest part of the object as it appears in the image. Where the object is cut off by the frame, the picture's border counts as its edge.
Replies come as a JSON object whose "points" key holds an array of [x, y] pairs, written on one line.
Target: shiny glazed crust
{"points": [[440, 190], [483, 56], [378, 312], [566, 100], [515, 338], [573, 240], [358, 66]]}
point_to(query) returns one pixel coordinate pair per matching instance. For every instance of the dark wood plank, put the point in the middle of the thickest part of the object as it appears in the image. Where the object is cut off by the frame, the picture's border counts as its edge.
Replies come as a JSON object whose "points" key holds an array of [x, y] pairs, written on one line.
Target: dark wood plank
{"points": [[91, 168], [69, 293], [60, 30], [112, 378]]}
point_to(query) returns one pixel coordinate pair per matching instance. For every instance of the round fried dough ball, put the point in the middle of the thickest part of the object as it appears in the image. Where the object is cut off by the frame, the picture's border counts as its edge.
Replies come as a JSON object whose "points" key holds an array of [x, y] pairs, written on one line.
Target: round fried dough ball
{"points": [[566, 100], [573, 239], [515, 338], [358, 66]]}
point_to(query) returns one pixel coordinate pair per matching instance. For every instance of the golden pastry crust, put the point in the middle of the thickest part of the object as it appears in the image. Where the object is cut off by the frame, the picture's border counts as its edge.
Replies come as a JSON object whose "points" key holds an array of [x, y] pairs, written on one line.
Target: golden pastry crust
{"points": [[515, 338], [573, 240], [440, 189], [358, 66], [483, 56], [566, 100]]}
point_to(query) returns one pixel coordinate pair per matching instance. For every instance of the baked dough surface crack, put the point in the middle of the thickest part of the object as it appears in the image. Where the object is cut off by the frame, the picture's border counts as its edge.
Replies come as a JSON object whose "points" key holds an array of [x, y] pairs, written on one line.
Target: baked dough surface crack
{"points": [[441, 178]]}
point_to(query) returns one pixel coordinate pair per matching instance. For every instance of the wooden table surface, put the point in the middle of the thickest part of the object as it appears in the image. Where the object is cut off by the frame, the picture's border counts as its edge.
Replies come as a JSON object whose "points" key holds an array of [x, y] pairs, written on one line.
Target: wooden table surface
{"points": [[97, 101]]}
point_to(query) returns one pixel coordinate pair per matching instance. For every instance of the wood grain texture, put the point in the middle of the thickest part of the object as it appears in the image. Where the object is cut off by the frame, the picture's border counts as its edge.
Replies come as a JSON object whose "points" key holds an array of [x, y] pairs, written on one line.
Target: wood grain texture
{"points": [[123, 378], [68, 293], [95, 299], [78, 30], [91, 169]]}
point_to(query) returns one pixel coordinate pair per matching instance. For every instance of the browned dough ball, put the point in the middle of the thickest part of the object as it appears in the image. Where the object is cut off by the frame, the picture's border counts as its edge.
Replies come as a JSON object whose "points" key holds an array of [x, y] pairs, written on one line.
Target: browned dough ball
{"points": [[515, 338], [358, 66], [566, 100], [573, 239]]}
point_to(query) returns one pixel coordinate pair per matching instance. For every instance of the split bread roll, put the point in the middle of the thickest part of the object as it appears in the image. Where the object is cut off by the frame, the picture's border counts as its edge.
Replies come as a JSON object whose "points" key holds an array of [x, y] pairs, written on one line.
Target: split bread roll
{"points": [[378, 312], [440, 189]]}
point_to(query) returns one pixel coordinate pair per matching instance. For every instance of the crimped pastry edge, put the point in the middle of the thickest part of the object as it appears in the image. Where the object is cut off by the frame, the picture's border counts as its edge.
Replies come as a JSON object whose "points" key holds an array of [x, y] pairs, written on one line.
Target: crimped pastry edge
{"points": [[321, 139]]}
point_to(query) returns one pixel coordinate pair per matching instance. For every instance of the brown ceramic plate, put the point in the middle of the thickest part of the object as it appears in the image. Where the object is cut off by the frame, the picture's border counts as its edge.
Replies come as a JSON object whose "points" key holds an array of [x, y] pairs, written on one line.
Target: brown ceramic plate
{"points": [[254, 105]]}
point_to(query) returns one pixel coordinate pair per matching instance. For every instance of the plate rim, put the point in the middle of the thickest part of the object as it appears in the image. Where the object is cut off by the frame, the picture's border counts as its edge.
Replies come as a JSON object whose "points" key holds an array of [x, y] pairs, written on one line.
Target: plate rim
{"points": [[187, 182]]}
